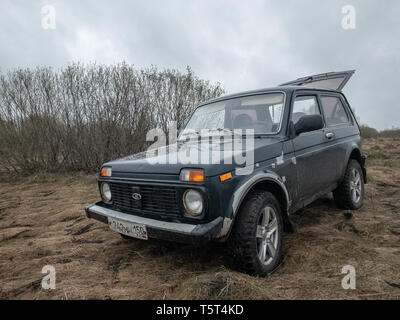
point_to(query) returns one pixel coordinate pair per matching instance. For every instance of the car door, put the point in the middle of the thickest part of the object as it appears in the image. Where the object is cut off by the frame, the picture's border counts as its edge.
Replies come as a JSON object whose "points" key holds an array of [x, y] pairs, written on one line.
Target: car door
{"points": [[339, 126], [315, 168]]}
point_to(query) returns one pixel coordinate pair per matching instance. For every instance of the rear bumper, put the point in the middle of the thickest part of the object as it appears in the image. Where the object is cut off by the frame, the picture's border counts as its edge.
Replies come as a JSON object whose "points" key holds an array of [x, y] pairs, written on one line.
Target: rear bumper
{"points": [[170, 231]]}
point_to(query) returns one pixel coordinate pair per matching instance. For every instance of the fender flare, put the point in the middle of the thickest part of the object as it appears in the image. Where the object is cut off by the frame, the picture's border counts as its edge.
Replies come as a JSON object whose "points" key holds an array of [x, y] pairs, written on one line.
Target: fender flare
{"points": [[240, 194], [361, 159], [351, 149]]}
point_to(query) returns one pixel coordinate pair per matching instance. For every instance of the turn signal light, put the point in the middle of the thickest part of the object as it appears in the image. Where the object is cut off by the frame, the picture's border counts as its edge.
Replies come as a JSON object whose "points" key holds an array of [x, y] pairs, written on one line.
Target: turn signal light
{"points": [[192, 175], [225, 176], [106, 172]]}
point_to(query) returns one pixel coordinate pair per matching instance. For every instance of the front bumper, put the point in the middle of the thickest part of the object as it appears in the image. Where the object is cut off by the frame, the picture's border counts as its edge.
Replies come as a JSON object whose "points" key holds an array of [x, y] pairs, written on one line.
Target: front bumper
{"points": [[171, 231]]}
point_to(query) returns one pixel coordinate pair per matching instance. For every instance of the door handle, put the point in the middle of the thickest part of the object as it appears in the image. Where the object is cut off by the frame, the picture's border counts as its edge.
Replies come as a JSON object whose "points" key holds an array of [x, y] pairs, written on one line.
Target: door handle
{"points": [[329, 135]]}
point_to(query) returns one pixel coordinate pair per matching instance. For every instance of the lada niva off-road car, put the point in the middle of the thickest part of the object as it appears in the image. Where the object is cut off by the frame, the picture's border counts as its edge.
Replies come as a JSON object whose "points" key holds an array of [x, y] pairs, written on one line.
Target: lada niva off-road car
{"points": [[305, 143]]}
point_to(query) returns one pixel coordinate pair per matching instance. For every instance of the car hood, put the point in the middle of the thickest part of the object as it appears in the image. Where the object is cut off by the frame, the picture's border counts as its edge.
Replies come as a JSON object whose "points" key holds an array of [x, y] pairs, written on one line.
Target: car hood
{"points": [[264, 148]]}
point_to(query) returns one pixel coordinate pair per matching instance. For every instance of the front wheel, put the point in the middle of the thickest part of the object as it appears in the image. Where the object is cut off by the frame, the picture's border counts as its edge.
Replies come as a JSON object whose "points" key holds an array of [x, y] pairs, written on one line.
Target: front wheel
{"points": [[350, 193], [256, 240]]}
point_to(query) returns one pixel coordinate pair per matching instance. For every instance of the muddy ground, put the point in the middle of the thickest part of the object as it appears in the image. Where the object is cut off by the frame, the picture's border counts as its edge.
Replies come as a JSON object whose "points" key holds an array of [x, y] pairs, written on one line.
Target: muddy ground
{"points": [[42, 222]]}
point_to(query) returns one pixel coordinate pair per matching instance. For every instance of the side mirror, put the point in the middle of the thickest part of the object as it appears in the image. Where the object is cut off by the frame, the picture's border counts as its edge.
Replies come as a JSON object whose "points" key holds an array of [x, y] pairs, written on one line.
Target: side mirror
{"points": [[309, 123]]}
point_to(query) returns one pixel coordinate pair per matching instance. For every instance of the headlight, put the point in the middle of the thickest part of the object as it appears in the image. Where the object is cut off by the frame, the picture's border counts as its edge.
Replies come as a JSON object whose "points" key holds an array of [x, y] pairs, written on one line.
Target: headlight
{"points": [[105, 192], [193, 202]]}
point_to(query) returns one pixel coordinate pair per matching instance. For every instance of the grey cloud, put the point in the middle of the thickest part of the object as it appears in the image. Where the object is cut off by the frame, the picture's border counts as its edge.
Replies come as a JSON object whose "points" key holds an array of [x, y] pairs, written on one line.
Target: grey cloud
{"points": [[242, 45]]}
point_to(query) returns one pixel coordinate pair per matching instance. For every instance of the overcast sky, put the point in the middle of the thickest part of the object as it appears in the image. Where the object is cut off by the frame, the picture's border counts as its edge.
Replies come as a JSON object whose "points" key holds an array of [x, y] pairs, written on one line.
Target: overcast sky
{"points": [[241, 44]]}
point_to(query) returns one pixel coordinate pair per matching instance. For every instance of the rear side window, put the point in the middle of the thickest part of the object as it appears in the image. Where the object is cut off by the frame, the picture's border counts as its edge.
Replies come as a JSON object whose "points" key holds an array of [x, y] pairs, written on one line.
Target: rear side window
{"points": [[304, 106], [334, 111]]}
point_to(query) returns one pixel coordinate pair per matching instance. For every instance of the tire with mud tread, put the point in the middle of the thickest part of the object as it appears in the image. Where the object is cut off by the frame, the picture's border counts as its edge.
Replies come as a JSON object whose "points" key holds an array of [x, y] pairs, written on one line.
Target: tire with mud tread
{"points": [[350, 193], [256, 239]]}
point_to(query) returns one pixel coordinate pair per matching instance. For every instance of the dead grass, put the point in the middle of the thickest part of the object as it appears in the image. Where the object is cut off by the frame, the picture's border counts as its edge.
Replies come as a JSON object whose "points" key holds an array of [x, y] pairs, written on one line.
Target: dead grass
{"points": [[42, 222]]}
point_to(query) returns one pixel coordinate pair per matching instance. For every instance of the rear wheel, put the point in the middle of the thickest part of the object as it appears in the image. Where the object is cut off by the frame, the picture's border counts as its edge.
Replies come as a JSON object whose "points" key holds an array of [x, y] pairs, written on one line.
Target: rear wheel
{"points": [[350, 193], [256, 240]]}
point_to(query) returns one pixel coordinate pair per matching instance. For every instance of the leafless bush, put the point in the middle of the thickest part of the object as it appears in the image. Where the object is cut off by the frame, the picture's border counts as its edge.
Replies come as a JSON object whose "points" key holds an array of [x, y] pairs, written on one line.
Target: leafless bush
{"points": [[368, 132], [83, 115], [392, 133]]}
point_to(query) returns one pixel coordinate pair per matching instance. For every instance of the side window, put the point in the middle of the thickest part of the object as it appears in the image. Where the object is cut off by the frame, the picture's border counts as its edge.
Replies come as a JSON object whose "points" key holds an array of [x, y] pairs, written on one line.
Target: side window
{"points": [[334, 111], [304, 106]]}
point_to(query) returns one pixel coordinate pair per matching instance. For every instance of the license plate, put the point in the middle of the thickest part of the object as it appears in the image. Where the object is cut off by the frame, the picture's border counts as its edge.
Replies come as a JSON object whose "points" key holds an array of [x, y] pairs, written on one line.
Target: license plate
{"points": [[134, 230]]}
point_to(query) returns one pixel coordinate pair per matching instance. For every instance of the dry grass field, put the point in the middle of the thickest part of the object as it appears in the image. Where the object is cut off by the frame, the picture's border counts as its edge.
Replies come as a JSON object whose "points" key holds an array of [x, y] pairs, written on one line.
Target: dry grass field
{"points": [[42, 222]]}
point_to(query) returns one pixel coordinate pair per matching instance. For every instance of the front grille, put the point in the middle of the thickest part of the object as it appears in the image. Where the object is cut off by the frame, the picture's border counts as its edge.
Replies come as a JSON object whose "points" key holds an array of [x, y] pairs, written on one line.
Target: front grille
{"points": [[155, 199]]}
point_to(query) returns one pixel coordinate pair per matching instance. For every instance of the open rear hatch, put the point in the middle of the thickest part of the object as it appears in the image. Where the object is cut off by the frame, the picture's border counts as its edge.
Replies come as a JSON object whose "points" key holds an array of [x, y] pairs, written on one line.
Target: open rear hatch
{"points": [[331, 80]]}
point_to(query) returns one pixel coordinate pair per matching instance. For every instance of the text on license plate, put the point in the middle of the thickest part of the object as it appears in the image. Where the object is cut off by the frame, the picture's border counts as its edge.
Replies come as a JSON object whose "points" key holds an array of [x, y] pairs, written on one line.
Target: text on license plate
{"points": [[134, 230]]}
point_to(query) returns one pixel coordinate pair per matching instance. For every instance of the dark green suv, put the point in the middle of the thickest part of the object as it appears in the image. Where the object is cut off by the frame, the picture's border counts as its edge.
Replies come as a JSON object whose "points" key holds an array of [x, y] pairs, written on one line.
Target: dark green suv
{"points": [[242, 166]]}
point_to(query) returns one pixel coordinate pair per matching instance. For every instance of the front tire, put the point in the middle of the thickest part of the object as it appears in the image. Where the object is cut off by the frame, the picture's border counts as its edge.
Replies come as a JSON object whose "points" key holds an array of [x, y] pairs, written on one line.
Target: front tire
{"points": [[350, 193], [256, 240]]}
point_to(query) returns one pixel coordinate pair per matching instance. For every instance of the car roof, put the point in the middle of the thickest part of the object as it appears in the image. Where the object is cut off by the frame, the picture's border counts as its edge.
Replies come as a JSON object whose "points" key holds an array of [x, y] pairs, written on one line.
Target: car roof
{"points": [[285, 89]]}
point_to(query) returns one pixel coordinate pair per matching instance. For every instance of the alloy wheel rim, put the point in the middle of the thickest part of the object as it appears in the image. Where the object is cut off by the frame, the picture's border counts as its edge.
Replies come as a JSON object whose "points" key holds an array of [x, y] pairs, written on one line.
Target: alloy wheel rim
{"points": [[355, 186], [267, 235]]}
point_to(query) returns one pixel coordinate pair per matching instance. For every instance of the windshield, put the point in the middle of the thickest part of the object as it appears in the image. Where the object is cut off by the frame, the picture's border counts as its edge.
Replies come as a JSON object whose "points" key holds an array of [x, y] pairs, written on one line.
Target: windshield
{"points": [[262, 113]]}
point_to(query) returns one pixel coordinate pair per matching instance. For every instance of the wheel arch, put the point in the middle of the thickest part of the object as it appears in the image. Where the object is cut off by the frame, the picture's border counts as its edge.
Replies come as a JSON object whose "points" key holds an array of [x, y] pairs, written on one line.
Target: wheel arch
{"points": [[355, 154], [265, 181]]}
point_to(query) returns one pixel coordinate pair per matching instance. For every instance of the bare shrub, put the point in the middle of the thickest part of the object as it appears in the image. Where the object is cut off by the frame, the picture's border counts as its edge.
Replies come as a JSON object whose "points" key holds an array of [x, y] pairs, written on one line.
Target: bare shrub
{"points": [[392, 133], [368, 132], [83, 115]]}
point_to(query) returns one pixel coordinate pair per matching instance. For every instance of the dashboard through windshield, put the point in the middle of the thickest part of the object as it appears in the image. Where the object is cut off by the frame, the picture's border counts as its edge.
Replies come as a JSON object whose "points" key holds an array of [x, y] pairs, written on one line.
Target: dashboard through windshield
{"points": [[262, 113]]}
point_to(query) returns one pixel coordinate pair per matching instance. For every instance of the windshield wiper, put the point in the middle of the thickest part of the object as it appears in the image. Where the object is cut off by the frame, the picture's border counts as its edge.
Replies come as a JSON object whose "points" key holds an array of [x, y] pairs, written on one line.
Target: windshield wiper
{"points": [[228, 131], [189, 133], [217, 130]]}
